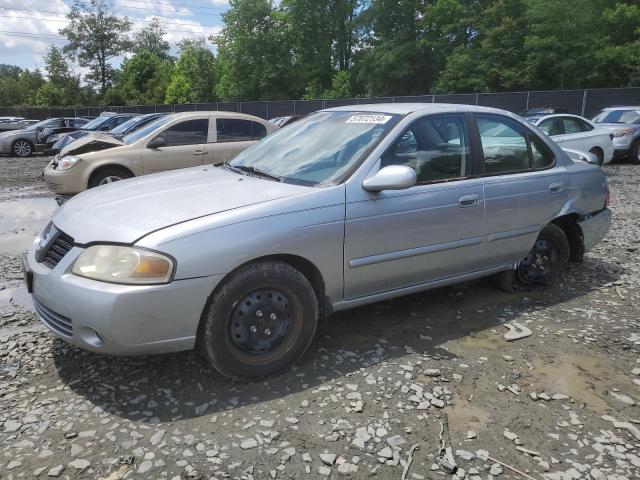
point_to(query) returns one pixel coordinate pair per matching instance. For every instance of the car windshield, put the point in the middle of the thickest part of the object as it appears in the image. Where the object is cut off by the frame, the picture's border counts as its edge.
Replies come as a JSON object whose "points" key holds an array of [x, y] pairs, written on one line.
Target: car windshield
{"points": [[43, 123], [124, 127], [95, 123], [618, 116], [318, 150], [146, 130]]}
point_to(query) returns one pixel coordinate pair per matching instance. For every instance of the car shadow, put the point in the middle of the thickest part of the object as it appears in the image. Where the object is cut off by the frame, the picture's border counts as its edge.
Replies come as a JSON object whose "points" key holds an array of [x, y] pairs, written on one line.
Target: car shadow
{"points": [[162, 388]]}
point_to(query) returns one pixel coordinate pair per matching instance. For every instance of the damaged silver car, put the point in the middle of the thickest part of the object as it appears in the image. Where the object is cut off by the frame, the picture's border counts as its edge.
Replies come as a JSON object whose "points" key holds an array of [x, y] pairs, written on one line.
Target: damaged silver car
{"points": [[345, 207]]}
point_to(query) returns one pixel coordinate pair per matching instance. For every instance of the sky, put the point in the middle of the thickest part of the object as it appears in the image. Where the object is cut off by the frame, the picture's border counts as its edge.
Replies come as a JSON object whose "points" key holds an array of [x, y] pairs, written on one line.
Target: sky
{"points": [[28, 27]]}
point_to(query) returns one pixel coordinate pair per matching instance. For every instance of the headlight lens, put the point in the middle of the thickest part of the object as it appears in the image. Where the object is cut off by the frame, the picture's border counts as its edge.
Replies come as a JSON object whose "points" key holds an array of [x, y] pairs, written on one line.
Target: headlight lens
{"points": [[65, 163], [119, 264], [622, 132]]}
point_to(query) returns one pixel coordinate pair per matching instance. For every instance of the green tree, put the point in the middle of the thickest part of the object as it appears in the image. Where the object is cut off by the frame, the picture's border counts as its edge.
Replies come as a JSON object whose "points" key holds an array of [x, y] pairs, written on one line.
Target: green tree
{"points": [[95, 36], [151, 39], [62, 87], [193, 79], [144, 78], [254, 59]]}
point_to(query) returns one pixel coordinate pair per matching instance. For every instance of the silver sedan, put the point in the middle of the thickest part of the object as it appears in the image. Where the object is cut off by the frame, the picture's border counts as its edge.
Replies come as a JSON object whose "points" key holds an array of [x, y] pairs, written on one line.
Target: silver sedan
{"points": [[345, 207]]}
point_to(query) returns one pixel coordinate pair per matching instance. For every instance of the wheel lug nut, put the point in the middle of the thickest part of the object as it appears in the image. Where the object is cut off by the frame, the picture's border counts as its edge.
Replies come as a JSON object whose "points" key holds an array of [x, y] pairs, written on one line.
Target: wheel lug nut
{"points": [[259, 313], [267, 332], [273, 316], [253, 329]]}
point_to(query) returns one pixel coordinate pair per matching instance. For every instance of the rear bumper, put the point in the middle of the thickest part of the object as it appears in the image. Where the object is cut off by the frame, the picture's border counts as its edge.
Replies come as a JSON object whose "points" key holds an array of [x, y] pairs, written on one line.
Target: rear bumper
{"points": [[595, 227]]}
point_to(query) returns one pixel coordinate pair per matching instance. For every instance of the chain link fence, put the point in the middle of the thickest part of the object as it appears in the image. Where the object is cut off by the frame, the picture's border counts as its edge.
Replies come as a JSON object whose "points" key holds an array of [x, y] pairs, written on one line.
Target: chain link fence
{"points": [[581, 102]]}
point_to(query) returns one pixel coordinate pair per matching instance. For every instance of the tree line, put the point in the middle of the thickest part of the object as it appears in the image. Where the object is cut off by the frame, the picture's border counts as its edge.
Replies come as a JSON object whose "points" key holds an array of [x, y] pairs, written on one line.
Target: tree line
{"points": [[336, 49]]}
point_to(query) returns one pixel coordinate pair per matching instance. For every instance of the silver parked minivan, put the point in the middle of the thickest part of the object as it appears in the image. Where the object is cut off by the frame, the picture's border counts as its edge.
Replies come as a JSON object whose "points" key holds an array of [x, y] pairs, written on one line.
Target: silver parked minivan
{"points": [[345, 207]]}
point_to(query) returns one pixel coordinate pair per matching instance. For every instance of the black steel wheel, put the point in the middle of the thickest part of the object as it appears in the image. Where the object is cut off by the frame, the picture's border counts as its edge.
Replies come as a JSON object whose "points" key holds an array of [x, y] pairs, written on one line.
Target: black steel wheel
{"points": [[545, 264], [260, 321]]}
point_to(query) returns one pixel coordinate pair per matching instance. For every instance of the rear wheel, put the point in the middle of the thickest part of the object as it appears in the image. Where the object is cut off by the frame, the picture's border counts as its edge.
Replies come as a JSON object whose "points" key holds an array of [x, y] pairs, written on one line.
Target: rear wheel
{"points": [[260, 322], [634, 153], [545, 264], [22, 148], [599, 154], [108, 175]]}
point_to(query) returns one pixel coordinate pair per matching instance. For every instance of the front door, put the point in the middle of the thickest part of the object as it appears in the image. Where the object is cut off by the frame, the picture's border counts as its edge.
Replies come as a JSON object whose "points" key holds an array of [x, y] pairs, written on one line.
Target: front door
{"points": [[523, 191], [184, 145], [432, 231]]}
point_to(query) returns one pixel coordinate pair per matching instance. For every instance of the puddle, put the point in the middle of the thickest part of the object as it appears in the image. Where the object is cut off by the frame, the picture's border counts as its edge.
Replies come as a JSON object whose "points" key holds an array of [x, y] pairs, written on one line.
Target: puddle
{"points": [[21, 220], [16, 297], [585, 378]]}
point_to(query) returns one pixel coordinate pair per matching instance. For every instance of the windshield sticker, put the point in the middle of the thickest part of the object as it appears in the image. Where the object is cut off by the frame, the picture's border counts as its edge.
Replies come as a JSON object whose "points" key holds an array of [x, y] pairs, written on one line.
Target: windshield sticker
{"points": [[370, 119]]}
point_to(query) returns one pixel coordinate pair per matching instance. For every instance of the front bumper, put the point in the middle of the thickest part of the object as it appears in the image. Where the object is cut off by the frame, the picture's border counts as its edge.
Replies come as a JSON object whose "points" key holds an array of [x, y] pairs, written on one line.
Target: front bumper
{"points": [[67, 182], [595, 227], [117, 319]]}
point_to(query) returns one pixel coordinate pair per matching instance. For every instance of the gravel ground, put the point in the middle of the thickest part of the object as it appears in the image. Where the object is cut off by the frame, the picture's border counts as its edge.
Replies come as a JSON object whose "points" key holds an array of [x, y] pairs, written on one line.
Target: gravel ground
{"points": [[381, 391]]}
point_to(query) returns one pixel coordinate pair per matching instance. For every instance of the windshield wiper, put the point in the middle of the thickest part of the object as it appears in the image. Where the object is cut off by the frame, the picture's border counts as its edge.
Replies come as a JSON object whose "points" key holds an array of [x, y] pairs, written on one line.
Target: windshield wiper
{"points": [[254, 170]]}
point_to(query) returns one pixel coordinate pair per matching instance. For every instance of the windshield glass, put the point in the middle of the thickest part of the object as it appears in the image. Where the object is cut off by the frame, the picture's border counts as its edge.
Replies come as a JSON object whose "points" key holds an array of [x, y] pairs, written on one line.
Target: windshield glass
{"points": [[123, 127], [95, 123], [144, 131], [43, 123], [318, 150], [618, 116]]}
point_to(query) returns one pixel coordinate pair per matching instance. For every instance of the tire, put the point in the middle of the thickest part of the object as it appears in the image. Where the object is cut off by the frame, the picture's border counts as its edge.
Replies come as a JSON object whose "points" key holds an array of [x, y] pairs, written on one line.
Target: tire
{"points": [[22, 148], [634, 153], [545, 264], [260, 322], [108, 175], [599, 154]]}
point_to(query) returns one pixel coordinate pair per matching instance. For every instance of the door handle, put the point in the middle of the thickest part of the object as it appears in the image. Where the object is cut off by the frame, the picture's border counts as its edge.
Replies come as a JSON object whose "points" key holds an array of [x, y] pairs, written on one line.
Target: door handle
{"points": [[198, 152], [556, 187], [467, 201]]}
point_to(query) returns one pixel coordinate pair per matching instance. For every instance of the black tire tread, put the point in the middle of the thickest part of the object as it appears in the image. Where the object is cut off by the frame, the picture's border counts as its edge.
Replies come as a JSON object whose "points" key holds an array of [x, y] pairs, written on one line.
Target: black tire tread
{"points": [[96, 177], [226, 295]]}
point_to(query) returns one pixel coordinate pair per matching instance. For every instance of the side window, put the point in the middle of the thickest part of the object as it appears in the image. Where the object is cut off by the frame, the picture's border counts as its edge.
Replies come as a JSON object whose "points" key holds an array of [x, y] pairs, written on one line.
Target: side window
{"points": [[233, 130], [436, 147], [78, 122], [542, 157], [504, 145], [189, 132], [549, 126], [586, 127], [259, 131], [571, 126]]}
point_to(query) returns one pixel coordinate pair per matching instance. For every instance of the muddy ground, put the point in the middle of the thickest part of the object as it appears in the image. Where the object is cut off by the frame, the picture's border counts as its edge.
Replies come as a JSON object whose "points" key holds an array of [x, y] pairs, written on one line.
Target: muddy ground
{"points": [[377, 388]]}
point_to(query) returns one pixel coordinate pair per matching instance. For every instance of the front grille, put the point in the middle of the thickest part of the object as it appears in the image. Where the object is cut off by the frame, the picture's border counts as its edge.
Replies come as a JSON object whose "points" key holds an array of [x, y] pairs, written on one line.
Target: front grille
{"points": [[56, 322], [58, 249]]}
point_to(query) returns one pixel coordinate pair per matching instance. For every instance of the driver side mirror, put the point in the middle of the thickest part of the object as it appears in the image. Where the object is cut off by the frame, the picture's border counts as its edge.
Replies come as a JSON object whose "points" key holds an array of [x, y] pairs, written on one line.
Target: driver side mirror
{"points": [[157, 142], [393, 177]]}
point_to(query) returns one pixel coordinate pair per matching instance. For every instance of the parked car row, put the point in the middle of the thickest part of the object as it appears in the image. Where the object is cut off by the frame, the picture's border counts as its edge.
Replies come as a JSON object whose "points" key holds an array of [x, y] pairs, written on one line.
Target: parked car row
{"points": [[14, 123], [344, 207]]}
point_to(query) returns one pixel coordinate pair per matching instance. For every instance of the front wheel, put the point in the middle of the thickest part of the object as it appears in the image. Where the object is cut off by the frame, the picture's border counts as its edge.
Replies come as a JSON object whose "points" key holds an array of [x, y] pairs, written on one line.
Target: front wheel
{"points": [[260, 322], [545, 263], [108, 175], [634, 153], [22, 148]]}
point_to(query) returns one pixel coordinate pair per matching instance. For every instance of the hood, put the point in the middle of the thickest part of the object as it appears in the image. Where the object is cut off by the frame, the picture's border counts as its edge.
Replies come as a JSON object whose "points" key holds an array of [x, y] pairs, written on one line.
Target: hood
{"points": [[125, 211], [90, 143]]}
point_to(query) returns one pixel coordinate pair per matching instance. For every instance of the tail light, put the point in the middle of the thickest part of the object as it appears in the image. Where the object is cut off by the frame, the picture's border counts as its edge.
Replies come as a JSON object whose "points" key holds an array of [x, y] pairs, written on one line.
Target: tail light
{"points": [[606, 199]]}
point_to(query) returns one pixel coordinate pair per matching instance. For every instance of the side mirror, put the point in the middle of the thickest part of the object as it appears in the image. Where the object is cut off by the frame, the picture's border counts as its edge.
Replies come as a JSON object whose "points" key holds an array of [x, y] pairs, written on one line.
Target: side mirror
{"points": [[157, 142], [393, 177]]}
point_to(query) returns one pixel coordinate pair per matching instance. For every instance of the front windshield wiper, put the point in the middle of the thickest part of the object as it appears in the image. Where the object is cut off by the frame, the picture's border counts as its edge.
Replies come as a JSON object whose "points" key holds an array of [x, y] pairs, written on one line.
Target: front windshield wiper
{"points": [[254, 170]]}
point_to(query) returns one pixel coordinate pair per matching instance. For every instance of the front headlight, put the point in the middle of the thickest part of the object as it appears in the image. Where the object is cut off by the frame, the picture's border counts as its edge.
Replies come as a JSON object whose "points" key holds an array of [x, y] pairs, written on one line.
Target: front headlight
{"points": [[128, 265], [65, 163], [622, 132]]}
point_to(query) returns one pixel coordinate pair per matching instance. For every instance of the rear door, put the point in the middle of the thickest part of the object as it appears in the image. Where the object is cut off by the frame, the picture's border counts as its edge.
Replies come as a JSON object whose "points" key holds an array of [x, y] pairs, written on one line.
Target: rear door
{"points": [[233, 135], [185, 144], [523, 189]]}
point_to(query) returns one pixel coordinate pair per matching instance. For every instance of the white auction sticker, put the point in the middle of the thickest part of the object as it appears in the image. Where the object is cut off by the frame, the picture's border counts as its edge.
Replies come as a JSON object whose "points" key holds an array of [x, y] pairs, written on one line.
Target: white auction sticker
{"points": [[368, 119]]}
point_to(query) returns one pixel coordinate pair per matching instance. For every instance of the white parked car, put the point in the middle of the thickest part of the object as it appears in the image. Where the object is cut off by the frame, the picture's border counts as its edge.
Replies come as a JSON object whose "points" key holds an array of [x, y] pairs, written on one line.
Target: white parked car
{"points": [[576, 133]]}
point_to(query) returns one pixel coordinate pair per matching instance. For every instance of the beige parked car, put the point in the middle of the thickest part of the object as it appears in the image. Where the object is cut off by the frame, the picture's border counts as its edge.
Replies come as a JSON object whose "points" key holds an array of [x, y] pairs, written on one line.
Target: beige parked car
{"points": [[176, 141]]}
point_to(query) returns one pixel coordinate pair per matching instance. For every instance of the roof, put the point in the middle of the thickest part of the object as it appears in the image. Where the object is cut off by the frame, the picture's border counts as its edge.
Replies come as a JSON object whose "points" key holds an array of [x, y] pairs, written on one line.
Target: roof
{"points": [[623, 107], [406, 108], [217, 113]]}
